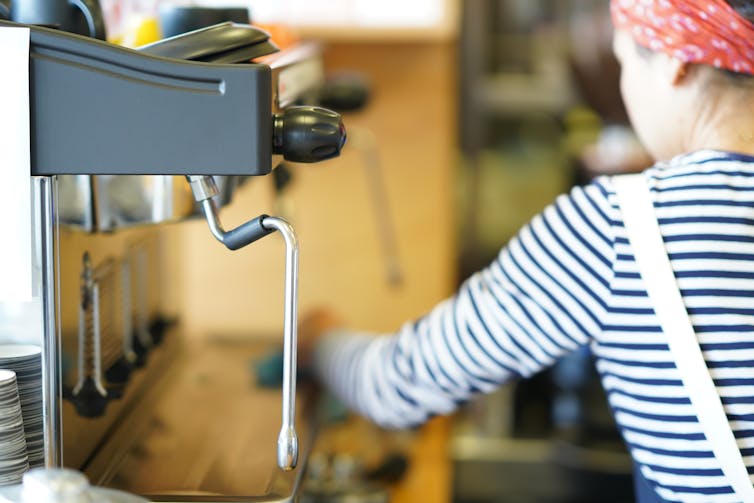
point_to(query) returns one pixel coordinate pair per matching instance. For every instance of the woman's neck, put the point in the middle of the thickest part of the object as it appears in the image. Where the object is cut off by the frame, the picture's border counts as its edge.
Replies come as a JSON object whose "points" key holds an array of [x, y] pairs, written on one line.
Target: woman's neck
{"points": [[731, 136], [725, 122]]}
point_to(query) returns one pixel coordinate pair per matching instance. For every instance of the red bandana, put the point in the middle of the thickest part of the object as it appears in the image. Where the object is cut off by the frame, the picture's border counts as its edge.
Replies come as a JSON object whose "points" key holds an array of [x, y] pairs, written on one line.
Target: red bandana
{"points": [[709, 32]]}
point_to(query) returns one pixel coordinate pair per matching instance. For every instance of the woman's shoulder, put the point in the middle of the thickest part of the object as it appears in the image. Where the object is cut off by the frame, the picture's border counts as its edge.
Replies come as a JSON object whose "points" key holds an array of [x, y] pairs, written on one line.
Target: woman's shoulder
{"points": [[703, 166], [705, 174]]}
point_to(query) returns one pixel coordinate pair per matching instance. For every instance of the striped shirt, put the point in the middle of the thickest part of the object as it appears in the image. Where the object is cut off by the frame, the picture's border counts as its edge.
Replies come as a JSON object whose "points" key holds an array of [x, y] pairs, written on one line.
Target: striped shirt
{"points": [[569, 279]]}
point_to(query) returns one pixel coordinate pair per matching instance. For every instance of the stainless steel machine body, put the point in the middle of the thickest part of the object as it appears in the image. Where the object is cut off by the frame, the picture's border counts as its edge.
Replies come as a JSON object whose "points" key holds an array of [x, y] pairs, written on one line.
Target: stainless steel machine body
{"points": [[101, 190]]}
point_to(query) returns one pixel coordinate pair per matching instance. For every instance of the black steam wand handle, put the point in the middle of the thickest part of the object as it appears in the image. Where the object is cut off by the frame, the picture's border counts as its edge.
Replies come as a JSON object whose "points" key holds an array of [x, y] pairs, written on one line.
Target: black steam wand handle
{"points": [[205, 189]]}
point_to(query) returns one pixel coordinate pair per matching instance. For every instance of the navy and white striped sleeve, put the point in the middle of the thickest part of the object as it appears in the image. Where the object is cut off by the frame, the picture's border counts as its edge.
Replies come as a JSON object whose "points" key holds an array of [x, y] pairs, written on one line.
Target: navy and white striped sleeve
{"points": [[543, 296]]}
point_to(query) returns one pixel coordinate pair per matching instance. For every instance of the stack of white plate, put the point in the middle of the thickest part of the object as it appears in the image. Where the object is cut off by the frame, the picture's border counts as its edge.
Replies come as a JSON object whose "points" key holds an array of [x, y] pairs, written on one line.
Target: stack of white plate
{"points": [[26, 362], [13, 459]]}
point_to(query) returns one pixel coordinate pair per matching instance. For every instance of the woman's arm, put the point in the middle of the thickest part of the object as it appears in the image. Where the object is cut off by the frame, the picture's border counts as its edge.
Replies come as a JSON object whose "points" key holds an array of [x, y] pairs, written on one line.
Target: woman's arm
{"points": [[544, 296]]}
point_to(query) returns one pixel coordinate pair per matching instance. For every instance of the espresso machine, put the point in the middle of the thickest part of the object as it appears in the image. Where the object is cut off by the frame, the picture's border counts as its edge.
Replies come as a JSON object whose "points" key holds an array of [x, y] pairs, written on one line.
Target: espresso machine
{"points": [[103, 149]]}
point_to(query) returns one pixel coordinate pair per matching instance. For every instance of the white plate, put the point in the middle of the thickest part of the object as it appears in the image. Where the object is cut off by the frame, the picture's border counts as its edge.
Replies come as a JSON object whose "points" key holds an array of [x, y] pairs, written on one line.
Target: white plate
{"points": [[7, 376], [19, 350]]}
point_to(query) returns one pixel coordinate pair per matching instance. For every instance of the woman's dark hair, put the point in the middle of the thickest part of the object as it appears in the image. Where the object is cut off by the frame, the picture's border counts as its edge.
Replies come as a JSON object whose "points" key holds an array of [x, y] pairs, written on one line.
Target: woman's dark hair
{"points": [[745, 8]]}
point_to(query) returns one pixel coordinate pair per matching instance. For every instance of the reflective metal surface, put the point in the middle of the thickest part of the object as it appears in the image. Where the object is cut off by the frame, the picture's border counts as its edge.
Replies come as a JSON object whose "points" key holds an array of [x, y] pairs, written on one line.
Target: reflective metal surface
{"points": [[47, 241], [224, 452], [133, 283], [107, 203]]}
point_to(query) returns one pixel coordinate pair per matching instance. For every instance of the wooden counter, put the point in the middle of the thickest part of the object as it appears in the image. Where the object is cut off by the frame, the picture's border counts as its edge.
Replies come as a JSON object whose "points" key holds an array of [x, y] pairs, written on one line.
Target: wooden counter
{"points": [[429, 477]]}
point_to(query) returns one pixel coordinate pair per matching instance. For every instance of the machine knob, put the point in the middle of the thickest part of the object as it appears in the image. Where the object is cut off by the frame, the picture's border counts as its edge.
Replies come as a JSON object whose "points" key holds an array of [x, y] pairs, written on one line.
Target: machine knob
{"points": [[308, 134]]}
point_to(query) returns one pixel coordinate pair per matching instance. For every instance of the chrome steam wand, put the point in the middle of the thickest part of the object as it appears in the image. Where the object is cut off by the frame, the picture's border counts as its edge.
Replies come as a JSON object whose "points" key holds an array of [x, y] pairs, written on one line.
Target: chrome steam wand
{"points": [[204, 189], [287, 439]]}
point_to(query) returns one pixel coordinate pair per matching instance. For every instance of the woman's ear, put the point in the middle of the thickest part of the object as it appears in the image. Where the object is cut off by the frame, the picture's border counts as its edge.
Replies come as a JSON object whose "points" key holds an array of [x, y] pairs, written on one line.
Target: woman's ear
{"points": [[676, 70]]}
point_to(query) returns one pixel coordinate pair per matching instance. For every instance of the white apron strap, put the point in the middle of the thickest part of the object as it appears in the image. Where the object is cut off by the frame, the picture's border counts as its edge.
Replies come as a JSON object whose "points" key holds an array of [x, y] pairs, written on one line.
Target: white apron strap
{"points": [[646, 242]]}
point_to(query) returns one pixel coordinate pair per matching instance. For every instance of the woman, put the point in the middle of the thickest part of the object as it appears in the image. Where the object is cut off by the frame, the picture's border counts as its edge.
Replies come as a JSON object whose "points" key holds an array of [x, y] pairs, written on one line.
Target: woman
{"points": [[570, 277]]}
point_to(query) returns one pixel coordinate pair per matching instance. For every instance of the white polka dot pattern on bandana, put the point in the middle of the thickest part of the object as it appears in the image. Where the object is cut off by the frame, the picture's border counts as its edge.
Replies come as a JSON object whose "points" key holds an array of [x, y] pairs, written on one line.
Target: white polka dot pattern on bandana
{"points": [[708, 32]]}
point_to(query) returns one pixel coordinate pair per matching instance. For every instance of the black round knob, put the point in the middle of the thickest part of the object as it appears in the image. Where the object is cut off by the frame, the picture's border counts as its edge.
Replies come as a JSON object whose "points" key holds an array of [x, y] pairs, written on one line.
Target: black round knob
{"points": [[308, 134]]}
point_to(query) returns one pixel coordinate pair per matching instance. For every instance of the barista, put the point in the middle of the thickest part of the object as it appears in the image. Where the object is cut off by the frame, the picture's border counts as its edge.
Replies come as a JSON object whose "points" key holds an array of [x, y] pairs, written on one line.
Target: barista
{"points": [[570, 277]]}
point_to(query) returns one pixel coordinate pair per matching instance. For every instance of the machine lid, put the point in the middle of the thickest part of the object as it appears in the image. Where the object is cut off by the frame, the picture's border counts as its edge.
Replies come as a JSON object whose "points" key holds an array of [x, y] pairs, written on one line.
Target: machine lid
{"points": [[242, 41], [61, 485]]}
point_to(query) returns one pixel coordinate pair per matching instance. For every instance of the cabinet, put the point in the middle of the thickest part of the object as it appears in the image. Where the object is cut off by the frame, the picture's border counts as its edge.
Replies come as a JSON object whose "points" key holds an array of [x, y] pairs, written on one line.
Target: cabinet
{"points": [[514, 91]]}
